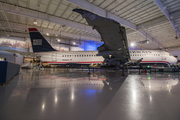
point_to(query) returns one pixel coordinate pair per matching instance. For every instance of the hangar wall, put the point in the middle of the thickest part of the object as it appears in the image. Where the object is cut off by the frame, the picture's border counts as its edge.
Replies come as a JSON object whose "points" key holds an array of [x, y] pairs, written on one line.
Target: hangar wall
{"points": [[175, 52], [18, 59], [24, 44]]}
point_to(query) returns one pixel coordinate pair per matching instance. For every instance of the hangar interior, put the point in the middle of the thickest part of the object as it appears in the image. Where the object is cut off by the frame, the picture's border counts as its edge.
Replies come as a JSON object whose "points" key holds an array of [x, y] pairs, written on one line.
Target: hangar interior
{"points": [[156, 21], [83, 93]]}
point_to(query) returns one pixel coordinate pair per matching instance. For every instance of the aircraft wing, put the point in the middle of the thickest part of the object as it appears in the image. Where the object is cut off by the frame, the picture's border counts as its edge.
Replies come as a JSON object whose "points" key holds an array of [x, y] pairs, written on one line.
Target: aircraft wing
{"points": [[112, 33], [26, 54]]}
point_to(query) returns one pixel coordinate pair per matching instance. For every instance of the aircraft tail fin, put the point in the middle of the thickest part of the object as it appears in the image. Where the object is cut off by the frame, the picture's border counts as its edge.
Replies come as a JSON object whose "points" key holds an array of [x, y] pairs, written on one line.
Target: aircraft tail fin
{"points": [[39, 43]]}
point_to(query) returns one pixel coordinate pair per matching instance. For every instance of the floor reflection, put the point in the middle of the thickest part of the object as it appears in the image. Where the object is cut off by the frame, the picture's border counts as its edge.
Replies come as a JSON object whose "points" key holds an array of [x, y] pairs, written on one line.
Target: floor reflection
{"points": [[102, 94], [57, 93], [159, 81]]}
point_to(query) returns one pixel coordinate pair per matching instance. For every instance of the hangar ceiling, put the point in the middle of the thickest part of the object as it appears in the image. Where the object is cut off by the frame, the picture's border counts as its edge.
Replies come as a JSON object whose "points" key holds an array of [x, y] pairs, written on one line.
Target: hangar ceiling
{"points": [[155, 20]]}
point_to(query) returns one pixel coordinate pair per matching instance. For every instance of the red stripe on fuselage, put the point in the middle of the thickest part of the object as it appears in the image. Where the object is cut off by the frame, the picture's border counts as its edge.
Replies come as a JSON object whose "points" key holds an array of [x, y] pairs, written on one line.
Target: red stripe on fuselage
{"points": [[155, 62], [33, 30], [74, 62], [102, 61]]}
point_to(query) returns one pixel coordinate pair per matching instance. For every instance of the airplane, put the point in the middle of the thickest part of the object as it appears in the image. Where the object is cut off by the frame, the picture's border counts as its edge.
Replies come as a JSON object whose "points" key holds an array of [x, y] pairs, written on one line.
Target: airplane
{"points": [[114, 51], [49, 55]]}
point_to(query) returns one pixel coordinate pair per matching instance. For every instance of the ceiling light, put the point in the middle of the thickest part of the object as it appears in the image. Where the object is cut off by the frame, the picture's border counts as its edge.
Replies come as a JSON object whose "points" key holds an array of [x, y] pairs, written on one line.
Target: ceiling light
{"points": [[47, 33], [74, 43], [58, 40], [56, 35], [147, 41], [132, 44], [35, 22]]}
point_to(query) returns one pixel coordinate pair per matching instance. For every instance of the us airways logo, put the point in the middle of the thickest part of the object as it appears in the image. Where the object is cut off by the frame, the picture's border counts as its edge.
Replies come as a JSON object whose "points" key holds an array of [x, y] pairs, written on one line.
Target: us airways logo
{"points": [[66, 59], [140, 51]]}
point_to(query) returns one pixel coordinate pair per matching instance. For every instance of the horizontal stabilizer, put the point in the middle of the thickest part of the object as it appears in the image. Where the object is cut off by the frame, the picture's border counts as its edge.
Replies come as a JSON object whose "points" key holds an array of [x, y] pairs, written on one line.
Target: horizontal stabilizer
{"points": [[26, 54]]}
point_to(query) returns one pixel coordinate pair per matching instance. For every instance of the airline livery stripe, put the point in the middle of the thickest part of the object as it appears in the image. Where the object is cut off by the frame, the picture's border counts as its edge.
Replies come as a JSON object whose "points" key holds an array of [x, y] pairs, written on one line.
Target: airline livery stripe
{"points": [[102, 61], [156, 79], [33, 30], [155, 62], [74, 62]]}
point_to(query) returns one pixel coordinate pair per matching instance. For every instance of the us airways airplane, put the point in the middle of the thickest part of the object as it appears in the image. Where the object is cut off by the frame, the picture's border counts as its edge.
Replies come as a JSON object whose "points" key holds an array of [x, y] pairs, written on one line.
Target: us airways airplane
{"points": [[150, 57], [49, 55], [114, 51]]}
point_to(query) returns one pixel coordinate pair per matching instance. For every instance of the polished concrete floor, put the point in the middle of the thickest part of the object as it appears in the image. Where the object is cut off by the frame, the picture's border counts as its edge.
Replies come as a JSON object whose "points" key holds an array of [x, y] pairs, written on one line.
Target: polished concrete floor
{"points": [[61, 94]]}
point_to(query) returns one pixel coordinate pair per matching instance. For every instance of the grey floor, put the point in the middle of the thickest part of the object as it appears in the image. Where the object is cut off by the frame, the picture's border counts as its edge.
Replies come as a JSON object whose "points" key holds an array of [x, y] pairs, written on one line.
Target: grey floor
{"points": [[61, 94]]}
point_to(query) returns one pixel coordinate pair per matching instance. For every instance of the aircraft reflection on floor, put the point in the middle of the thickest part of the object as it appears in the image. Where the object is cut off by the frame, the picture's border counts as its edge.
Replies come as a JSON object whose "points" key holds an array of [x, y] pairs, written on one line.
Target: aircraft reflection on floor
{"points": [[60, 93], [69, 77], [159, 82], [72, 89]]}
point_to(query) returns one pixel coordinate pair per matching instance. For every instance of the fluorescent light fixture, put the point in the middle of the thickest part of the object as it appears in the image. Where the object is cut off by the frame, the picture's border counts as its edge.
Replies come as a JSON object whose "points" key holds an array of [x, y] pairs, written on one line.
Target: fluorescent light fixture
{"points": [[35, 22], [47, 33]]}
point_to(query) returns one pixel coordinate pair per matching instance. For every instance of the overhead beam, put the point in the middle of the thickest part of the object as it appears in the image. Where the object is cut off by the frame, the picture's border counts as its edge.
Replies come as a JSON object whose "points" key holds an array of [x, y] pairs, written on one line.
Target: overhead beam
{"points": [[175, 15], [2, 9], [102, 12], [166, 13], [11, 9], [23, 28], [151, 23], [86, 5]]}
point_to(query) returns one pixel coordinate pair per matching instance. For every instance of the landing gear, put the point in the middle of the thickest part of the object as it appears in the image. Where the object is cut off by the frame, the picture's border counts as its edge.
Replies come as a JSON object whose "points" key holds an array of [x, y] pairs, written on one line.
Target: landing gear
{"points": [[38, 67], [122, 71]]}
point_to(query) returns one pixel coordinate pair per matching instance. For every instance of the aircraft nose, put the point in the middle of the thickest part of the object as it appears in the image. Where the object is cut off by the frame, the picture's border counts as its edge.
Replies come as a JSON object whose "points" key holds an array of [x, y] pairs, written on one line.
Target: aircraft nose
{"points": [[175, 60]]}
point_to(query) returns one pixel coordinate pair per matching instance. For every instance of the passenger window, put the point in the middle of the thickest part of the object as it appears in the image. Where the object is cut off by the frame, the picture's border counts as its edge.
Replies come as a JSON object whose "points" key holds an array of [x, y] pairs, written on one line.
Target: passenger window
{"points": [[77, 55], [82, 55], [62, 55], [67, 55]]}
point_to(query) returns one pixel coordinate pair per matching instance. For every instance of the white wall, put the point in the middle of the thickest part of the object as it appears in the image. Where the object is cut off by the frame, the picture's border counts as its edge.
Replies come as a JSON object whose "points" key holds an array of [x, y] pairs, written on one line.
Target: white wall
{"points": [[18, 59]]}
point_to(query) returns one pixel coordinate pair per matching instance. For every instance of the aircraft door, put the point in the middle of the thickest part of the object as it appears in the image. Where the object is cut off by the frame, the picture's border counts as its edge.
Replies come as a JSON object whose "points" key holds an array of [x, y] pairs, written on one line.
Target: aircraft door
{"points": [[163, 57], [54, 56]]}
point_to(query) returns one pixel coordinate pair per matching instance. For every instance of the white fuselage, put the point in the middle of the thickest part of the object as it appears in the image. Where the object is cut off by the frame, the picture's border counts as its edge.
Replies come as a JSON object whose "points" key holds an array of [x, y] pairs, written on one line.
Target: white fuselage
{"points": [[88, 57]]}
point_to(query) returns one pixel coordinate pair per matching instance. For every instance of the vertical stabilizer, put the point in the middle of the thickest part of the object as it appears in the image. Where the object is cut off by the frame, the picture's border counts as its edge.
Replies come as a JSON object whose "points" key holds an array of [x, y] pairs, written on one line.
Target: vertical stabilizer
{"points": [[39, 43]]}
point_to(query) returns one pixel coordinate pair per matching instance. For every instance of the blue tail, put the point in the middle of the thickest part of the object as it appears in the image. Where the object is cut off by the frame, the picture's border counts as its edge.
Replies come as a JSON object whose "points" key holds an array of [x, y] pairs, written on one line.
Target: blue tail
{"points": [[39, 43]]}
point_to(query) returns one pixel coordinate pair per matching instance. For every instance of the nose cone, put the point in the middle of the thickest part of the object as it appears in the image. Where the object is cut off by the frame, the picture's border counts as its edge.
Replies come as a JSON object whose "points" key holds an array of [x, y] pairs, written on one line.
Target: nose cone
{"points": [[175, 60]]}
